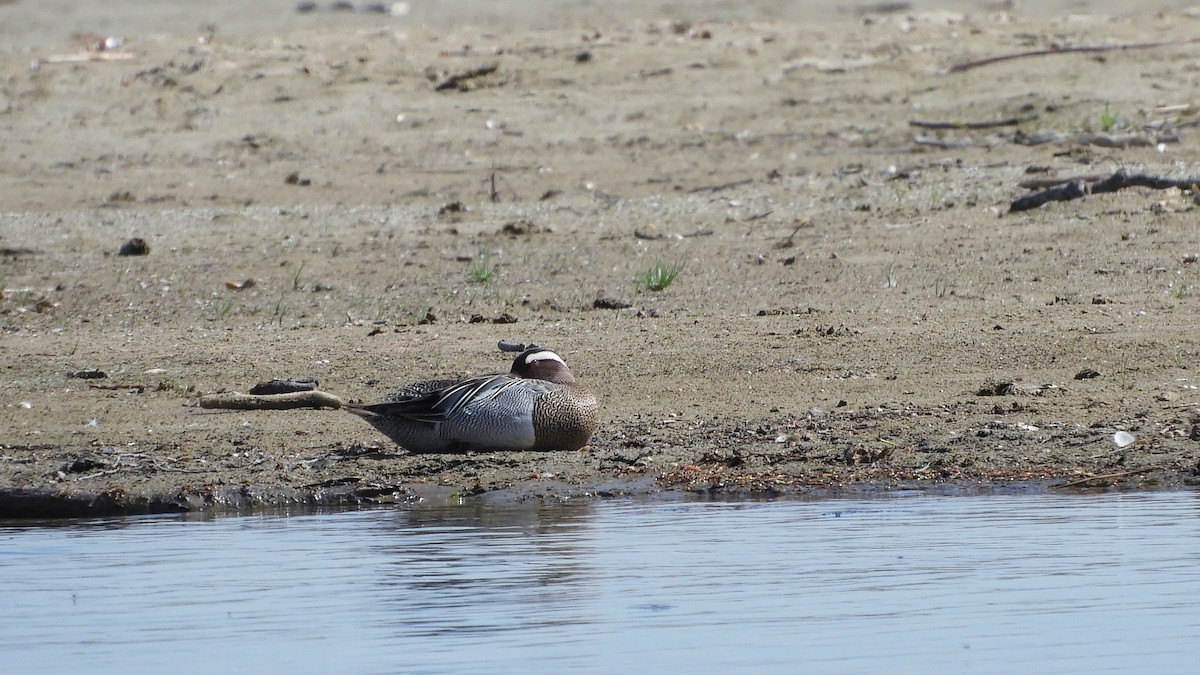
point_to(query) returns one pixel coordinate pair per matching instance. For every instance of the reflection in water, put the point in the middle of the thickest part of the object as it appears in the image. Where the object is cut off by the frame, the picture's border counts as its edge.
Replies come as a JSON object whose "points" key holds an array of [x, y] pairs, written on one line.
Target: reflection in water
{"points": [[1033, 583], [525, 567]]}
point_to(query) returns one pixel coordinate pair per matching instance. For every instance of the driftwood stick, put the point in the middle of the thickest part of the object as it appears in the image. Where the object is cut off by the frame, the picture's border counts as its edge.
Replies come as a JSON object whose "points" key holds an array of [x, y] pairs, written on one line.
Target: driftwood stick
{"points": [[1106, 477], [83, 58], [1051, 181], [457, 80], [301, 399], [968, 65], [655, 236], [1006, 122], [1120, 179], [722, 186]]}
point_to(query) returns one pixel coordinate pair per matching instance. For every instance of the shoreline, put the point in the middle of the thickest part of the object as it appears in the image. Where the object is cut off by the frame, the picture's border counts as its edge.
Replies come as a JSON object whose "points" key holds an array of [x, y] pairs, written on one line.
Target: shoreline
{"points": [[17, 504]]}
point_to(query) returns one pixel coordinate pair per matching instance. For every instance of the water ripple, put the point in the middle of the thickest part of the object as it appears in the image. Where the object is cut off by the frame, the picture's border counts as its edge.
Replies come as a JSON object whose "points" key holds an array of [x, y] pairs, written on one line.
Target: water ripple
{"points": [[914, 584]]}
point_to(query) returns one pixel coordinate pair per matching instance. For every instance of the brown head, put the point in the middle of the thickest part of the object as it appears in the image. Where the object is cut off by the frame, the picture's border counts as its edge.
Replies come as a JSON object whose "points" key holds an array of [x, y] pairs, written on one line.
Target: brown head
{"points": [[536, 363]]}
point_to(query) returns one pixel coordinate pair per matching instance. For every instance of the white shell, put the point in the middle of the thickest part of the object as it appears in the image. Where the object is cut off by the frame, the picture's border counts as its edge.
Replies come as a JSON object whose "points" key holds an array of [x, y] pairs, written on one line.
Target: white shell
{"points": [[1123, 438]]}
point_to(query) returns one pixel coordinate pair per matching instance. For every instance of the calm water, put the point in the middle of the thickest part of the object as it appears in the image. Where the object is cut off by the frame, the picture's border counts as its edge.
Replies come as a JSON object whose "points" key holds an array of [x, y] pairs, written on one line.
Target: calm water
{"points": [[1083, 584]]}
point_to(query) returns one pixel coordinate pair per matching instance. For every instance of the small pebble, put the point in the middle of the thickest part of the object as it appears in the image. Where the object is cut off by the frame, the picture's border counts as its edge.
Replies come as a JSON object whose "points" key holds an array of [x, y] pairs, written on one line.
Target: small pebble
{"points": [[135, 246], [93, 374], [284, 386]]}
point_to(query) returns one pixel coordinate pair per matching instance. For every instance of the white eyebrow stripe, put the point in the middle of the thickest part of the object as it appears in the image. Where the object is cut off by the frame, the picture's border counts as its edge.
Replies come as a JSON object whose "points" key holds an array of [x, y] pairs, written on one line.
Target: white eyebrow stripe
{"points": [[544, 355]]}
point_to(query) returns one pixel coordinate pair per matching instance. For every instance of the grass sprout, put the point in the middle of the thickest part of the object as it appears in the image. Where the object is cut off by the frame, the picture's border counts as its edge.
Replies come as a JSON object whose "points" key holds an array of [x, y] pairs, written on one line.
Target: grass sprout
{"points": [[660, 276], [482, 271], [1111, 120]]}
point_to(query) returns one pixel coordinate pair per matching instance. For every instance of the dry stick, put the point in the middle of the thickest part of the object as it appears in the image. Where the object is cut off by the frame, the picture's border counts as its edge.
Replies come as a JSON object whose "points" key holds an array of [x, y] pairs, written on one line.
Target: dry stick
{"points": [[968, 65], [1110, 476], [1120, 179], [117, 386], [1006, 122], [300, 399], [455, 80], [722, 186], [84, 58], [1051, 181], [654, 236], [942, 143]]}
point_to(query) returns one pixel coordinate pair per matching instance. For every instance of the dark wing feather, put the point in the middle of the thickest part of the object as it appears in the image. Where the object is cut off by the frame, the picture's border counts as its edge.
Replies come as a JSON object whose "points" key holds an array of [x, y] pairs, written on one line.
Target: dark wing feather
{"points": [[436, 405], [419, 389]]}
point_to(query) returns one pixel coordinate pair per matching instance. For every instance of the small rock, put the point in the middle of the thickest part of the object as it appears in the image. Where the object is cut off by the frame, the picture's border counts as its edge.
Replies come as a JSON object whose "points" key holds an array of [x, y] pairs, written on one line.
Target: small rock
{"points": [[84, 463], [1087, 374], [284, 386], [997, 389], [135, 246], [611, 303], [1123, 439], [513, 347], [521, 228], [451, 209], [93, 374], [502, 319]]}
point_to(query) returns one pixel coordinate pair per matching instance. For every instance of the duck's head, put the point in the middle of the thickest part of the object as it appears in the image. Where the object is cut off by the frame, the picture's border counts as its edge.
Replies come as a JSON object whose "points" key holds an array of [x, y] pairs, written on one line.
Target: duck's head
{"points": [[537, 363]]}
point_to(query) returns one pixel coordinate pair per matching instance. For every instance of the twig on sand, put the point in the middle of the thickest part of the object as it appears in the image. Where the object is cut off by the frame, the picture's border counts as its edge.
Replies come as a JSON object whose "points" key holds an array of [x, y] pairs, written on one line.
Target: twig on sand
{"points": [[942, 143], [654, 236], [1006, 122], [117, 386], [458, 80], [1084, 138], [722, 186], [968, 65], [83, 58], [1079, 188], [1106, 477], [293, 401], [1051, 181]]}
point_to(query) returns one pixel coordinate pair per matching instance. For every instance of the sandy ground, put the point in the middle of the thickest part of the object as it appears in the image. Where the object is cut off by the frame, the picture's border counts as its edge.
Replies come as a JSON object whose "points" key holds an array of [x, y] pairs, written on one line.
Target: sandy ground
{"points": [[857, 306]]}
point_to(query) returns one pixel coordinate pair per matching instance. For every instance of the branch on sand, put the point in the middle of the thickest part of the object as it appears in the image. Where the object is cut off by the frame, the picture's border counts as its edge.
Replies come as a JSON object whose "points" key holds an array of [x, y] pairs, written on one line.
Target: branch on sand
{"points": [[968, 65], [293, 401], [1106, 479], [458, 80], [81, 58], [1079, 188], [1006, 122]]}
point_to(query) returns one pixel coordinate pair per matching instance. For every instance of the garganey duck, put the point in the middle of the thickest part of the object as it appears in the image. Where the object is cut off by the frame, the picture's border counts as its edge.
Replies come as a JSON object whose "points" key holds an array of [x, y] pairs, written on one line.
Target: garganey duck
{"points": [[538, 405]]}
